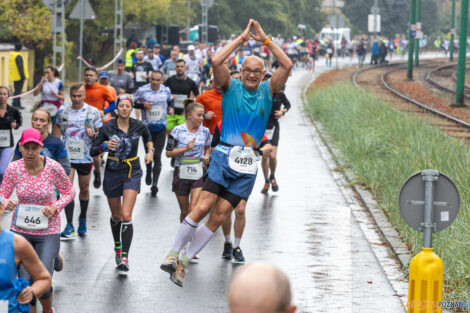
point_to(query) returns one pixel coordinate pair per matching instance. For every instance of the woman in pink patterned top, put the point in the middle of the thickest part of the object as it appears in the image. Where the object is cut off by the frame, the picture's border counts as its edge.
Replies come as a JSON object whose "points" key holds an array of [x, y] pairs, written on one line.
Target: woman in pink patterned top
{"points": [[36, 214]]}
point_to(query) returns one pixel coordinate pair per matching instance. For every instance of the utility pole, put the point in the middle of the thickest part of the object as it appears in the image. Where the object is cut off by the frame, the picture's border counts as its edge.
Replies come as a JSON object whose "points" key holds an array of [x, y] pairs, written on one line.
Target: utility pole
{"points": [[459, 91], [418, 31], [205, 24], [336, 35], [188, 20], [452, 33], [82, 16], [375, 11], [412, 34], [118, 27], [58, 28]]}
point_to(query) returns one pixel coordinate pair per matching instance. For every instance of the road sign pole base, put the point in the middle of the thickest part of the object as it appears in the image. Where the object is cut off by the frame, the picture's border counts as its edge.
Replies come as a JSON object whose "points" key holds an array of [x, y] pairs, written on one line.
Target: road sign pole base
{"points": [[425, 283]]}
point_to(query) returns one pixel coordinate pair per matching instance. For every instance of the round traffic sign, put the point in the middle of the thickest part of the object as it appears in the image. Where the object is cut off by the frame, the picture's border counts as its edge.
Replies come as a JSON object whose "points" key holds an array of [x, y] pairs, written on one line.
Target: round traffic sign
{"points": [[446, 202], [50, 3]]}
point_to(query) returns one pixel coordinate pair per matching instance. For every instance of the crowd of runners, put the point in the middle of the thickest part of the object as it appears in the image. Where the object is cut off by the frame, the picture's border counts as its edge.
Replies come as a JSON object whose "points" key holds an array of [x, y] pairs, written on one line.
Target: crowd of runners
{"points": [[214, 110]]}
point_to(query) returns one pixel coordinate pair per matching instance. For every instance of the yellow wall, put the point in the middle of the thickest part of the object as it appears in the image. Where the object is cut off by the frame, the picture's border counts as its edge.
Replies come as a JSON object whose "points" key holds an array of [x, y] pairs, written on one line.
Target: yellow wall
{"points": [[28, 56]]}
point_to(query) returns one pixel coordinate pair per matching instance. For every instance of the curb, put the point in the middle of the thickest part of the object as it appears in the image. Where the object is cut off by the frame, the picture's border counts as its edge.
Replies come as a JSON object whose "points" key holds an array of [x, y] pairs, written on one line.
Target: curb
{"points": [[397, 245]]}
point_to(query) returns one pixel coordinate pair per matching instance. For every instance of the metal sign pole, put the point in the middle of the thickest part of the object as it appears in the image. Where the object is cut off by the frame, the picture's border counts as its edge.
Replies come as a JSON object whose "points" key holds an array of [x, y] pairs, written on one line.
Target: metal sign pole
{"points": [[459, 92], [429, 177], [375, 20], [118, 27], [452, 33], [82, 13], [418, 29], [411, 41]]}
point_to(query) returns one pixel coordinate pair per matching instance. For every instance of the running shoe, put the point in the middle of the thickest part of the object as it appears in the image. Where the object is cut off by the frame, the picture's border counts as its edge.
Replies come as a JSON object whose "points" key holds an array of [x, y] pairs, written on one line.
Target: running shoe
{"points": [[154, 191], [123, 267], [228, 249], [238, 256], [148, 178], [266, 187], [68, 233], [178, 276], [170, 265], [117, 255], [274, 185], [59, 263], [97, 181], [82, 227]]}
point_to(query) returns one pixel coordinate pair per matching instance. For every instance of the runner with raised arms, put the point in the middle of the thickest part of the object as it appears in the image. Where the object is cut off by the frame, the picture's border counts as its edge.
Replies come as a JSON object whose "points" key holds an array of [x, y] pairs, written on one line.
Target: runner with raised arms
{"points": [[246, 105]]}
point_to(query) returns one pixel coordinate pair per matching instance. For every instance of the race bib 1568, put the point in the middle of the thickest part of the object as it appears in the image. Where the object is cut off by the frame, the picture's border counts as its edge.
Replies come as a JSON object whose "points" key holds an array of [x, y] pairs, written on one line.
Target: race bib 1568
{"points": [[75, 149]]}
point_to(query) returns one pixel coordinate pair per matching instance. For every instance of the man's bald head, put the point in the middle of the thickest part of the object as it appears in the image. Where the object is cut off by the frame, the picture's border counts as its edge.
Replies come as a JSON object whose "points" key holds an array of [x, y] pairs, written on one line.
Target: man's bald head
{"points": [[252, 72], [253, 61], [260, 288]]}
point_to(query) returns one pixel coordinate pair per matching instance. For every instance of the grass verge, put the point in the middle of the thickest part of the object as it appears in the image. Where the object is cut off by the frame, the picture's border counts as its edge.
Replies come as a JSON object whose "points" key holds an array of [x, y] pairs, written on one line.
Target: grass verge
{"points": [[384, 147]]}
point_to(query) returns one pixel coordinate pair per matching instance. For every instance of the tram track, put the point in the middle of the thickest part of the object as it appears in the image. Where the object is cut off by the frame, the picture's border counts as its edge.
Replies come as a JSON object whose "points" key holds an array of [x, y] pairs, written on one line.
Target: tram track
{"points": [[452, 125]]}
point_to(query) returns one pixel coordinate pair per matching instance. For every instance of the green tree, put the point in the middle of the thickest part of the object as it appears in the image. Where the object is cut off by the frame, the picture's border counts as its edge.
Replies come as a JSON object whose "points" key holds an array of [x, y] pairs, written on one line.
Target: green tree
{"points": [[28, 21]]}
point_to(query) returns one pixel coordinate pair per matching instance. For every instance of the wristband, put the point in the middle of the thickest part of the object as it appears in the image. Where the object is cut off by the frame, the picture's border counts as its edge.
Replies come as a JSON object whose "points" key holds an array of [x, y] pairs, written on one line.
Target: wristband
{"points": [[243, 38], [267, 41], [152, 149]]}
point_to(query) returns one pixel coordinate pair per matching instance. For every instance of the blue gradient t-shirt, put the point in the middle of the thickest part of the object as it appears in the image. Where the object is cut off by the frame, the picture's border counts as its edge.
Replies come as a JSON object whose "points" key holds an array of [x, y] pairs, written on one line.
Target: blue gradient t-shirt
{"points": [[245, 114]]}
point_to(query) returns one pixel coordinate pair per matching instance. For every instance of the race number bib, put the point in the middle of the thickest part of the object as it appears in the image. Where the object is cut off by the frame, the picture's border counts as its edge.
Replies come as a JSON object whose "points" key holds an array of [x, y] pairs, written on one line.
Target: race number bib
{"points": [[191, 169], [5, 138], [155, 114], [179, 101], [242, 160], [75, 149], [171, 73], [329, 50], [3, 306], [30, 217], [269, 133], [138, 76], [51, 108]]}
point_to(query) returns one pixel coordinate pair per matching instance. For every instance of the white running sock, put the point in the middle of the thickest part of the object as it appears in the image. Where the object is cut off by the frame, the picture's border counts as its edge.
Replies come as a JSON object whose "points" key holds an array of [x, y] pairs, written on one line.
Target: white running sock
{"points": [[200, 239], [228, 238], [237, 242], [186, 231]]}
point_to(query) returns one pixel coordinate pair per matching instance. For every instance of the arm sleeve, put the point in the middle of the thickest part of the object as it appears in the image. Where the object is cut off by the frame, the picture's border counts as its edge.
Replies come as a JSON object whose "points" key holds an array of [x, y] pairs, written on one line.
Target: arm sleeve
{"points": [[8, 184], [19, 64], [195, 90], [111, 107], [61, 86], [65, 187], [285, 102], [18, 119], [146, 136], [170, 100], [99, 139]]}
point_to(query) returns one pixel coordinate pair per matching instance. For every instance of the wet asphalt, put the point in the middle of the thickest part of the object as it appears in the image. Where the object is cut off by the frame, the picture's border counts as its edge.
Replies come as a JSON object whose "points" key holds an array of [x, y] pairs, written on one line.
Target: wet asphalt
{"points": [[306, 229]]}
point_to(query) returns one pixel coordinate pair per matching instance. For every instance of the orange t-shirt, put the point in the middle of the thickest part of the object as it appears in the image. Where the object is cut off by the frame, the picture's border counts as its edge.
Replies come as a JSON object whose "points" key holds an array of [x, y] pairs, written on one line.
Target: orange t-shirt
{"points": [[97, 96], [212, 101]]}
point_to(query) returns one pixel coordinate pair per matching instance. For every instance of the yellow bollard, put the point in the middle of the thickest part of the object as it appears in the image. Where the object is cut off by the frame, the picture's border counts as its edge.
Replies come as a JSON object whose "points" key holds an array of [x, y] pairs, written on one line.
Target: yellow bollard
{"points": [[425, 283]]}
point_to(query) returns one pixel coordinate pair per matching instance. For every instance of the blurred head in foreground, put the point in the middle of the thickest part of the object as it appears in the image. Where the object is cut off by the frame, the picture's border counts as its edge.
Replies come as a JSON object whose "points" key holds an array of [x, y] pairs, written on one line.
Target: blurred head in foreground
{"points": [[260, 288]]}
